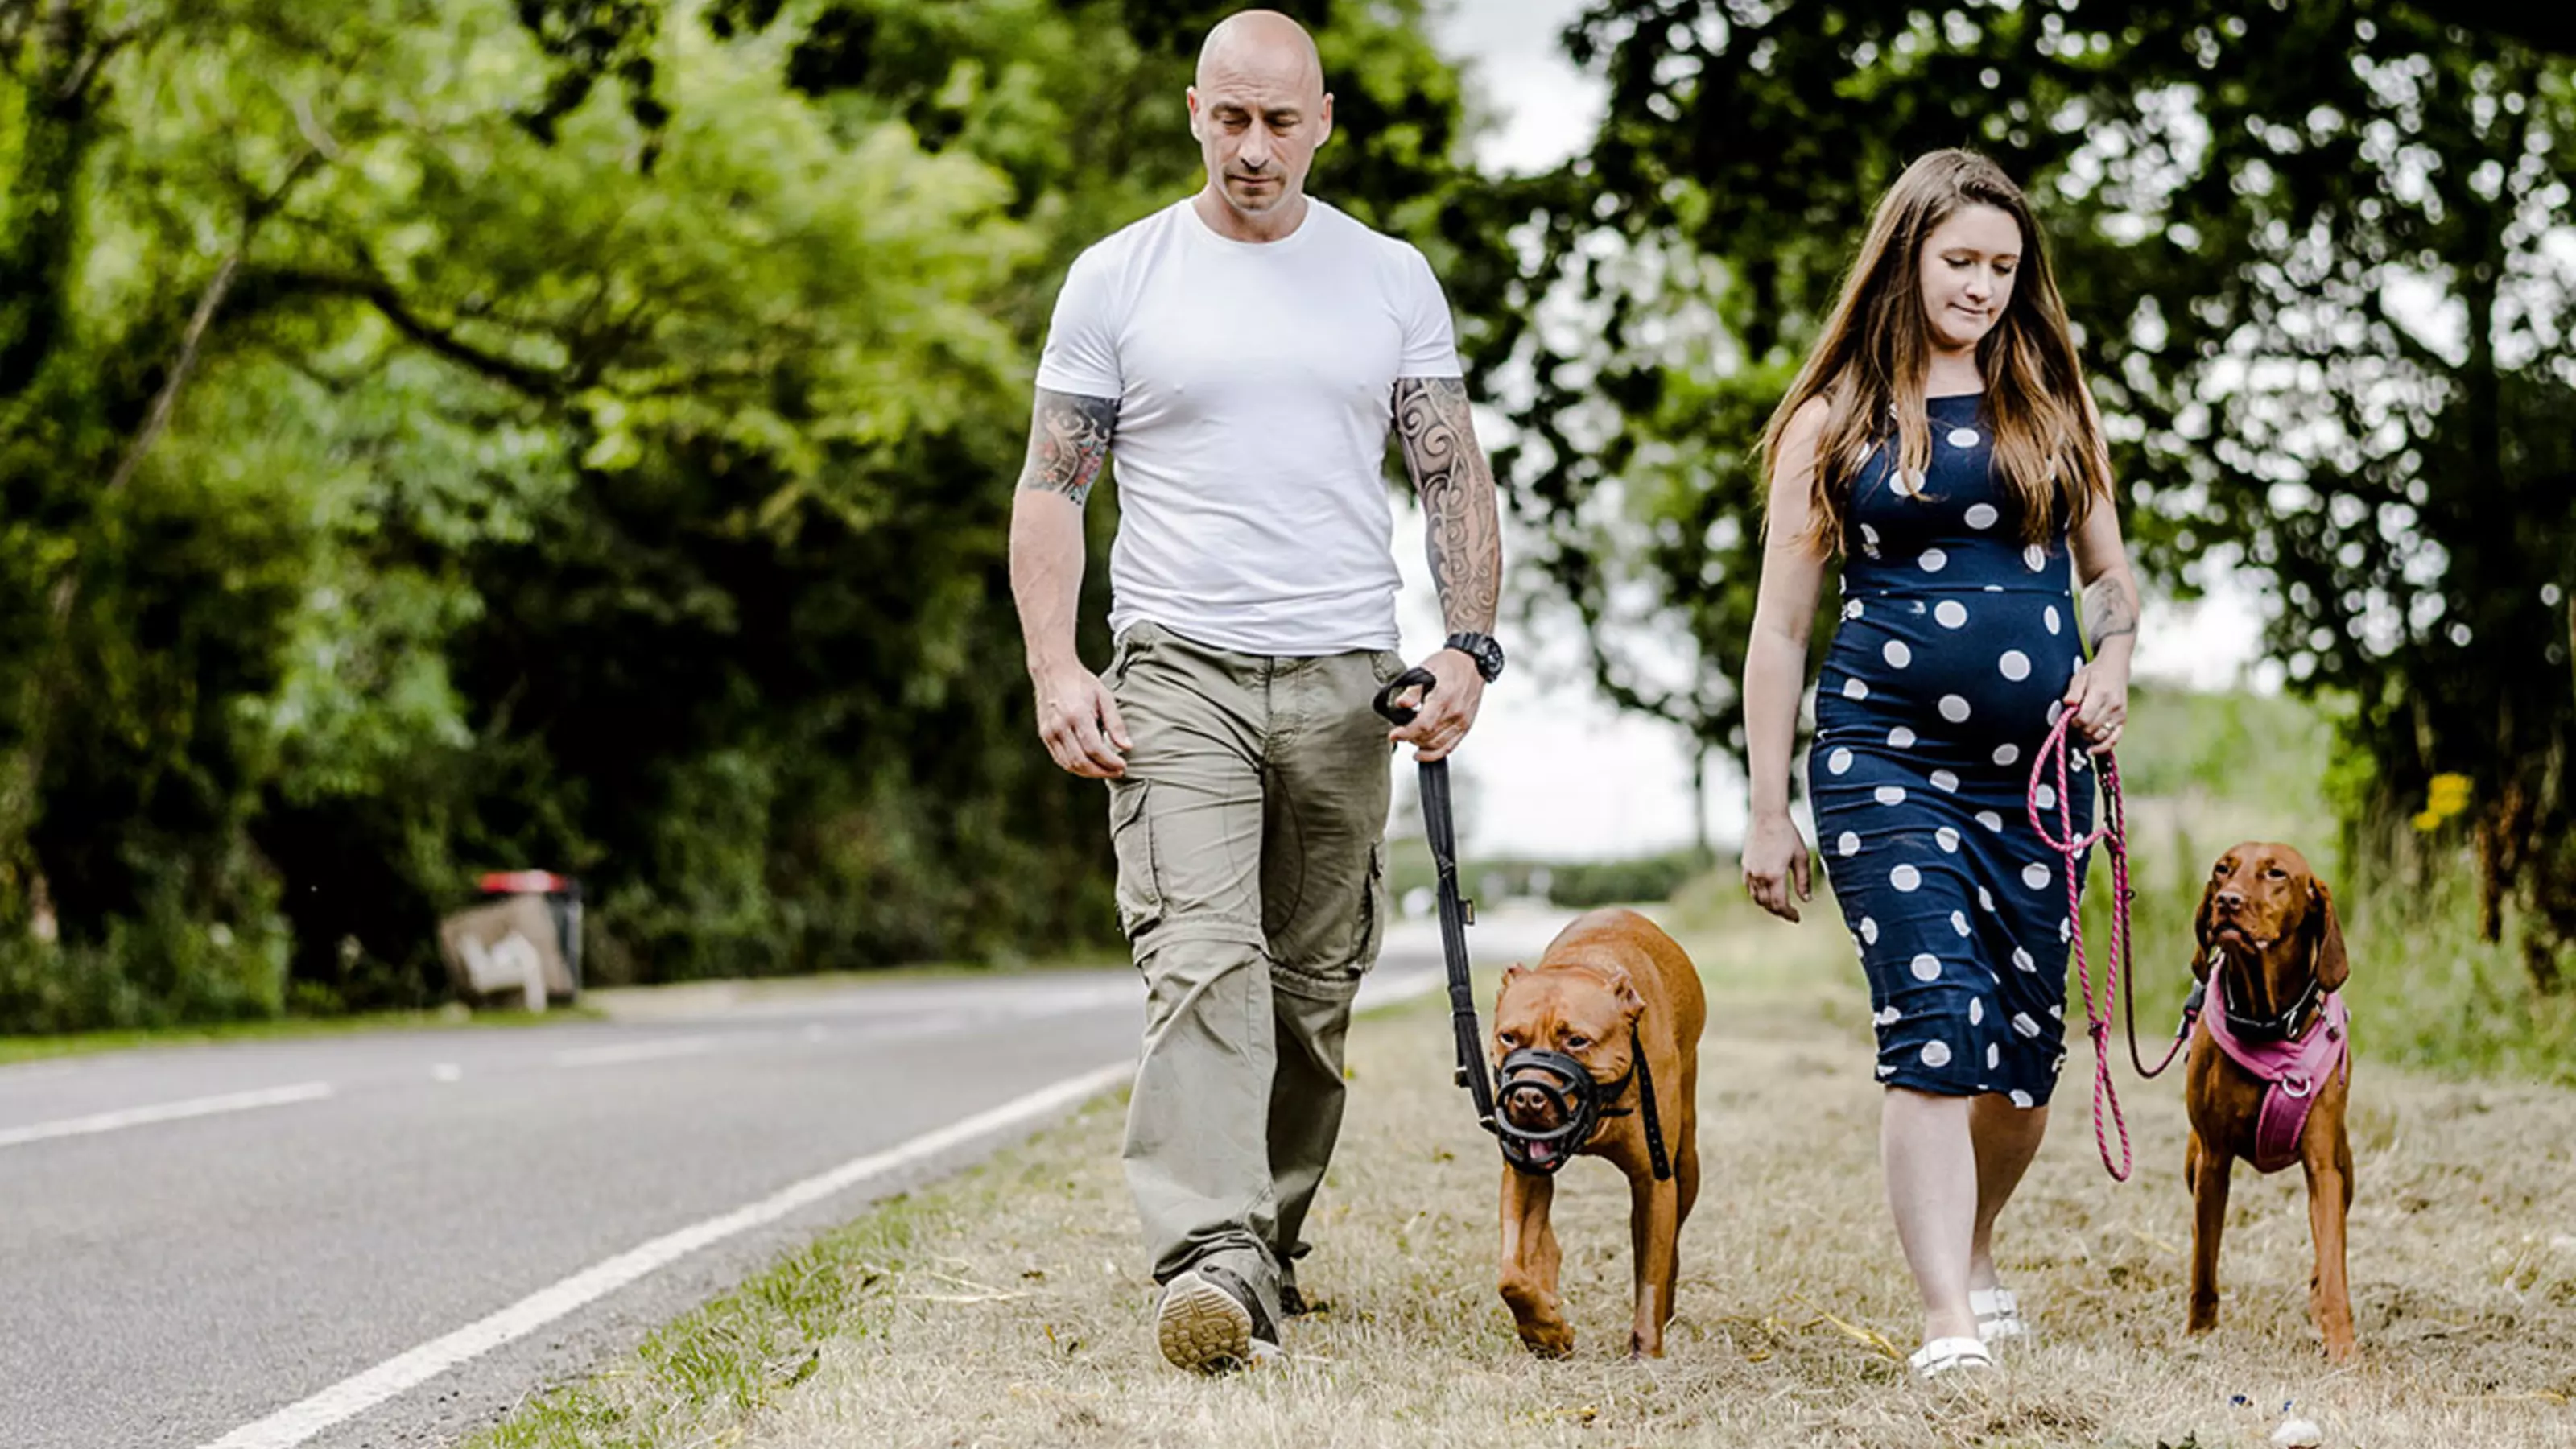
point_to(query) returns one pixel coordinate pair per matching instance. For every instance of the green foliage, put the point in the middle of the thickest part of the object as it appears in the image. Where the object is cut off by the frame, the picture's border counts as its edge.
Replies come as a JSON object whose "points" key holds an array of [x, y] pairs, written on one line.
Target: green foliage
{"points": [[2308, 250], [439, 435]]}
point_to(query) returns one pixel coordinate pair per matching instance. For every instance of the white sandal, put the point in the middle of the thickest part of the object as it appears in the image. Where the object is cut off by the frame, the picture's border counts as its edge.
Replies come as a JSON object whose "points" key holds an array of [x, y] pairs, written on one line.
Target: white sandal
{"points": [[1950, 1355], [1998, 1315]]}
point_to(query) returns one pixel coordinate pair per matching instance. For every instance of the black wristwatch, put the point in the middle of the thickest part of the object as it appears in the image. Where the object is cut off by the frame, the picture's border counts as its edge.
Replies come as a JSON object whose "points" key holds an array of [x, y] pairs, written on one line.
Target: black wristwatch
{"points": [[1483, 648]]}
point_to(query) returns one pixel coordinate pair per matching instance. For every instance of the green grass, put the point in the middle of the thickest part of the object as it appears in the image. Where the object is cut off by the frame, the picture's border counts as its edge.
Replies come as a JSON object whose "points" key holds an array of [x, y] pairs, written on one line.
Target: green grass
{"points": [[1009, 1306]]}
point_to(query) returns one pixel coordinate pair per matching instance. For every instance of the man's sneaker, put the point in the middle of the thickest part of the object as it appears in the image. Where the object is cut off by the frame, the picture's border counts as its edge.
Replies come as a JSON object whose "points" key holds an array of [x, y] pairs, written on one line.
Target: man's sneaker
{"points": [[1211, 1321]]}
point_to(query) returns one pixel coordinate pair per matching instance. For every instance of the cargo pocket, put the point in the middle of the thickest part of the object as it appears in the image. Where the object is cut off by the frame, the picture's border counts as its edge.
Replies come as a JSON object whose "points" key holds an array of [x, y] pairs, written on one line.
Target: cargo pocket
{"points": [[1373, 904], [1131, 838]]}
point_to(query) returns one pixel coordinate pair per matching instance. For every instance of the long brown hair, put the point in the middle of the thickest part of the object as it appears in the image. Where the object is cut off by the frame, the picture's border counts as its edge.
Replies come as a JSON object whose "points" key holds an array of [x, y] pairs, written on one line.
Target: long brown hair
{"points": [[1876, 352]]}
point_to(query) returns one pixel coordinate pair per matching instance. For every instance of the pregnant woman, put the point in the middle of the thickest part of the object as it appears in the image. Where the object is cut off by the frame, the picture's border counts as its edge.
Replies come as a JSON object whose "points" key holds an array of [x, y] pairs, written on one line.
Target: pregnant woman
{"points": [[1940, 441]]}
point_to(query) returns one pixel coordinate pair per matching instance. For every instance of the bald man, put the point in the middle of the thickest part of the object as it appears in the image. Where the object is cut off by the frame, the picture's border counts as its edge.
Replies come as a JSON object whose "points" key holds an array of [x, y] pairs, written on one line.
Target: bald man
{"points": [[1246, 353]]}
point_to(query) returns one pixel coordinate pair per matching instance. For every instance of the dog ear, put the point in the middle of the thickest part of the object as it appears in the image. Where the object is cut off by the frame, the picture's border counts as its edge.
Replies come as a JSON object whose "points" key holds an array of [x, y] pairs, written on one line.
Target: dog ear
{"points": [[2200, 930], [1625, 990], [2326, 959]]}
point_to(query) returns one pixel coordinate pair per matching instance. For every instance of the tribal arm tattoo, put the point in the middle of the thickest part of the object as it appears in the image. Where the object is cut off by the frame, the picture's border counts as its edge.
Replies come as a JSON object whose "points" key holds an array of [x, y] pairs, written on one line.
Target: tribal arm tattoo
{"points": [[2110, 610], [1069, 439], [1456, 486]]}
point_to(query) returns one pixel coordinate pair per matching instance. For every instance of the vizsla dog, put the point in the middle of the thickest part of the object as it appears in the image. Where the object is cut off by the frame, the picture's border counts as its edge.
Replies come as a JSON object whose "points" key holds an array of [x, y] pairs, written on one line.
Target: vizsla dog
{"points": [[1617, 996], [2270, 1066]]}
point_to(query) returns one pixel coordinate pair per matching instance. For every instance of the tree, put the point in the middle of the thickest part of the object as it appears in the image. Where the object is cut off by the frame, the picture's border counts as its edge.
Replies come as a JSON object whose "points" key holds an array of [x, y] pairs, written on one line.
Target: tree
{"points": [[439, 434], [2307, 246]]}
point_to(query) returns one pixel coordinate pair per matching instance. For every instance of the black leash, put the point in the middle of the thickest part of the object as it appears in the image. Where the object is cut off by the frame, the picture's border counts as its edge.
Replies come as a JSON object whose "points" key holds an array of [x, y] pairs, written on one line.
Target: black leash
{"points": [[1554, 1072], [1456, 914]]}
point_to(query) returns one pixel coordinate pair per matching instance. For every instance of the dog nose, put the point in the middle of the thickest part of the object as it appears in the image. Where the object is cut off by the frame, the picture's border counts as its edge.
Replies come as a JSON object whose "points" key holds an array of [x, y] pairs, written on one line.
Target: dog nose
{"points": [[2230, 900], [1525, 1102]]}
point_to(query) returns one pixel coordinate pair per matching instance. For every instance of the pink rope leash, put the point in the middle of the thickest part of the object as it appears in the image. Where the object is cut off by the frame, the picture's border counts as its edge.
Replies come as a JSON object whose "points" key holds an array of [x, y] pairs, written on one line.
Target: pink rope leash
{"points": [[2111, 831]]}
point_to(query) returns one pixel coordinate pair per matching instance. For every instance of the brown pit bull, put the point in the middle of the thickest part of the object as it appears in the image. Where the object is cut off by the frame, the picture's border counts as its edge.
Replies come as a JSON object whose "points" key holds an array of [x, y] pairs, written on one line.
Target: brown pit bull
{"points": [[2270, 1066], [1610, 987]]}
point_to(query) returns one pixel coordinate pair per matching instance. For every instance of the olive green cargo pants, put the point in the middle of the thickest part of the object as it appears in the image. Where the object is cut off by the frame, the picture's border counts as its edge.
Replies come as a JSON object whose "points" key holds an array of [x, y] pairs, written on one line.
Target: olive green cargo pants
{"points": [[1250, 834]]}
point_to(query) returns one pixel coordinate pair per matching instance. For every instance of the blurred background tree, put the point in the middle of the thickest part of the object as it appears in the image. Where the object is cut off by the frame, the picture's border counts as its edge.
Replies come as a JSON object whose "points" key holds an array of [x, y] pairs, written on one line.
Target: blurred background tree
{"points": [[446, 434], [2320, 256], [438, 435]]}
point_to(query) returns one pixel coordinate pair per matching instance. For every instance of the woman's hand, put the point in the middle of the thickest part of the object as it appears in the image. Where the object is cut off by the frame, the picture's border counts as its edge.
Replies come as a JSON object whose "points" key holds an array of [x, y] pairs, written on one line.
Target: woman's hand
{"points": [[1775, 860], [2099, 695]]}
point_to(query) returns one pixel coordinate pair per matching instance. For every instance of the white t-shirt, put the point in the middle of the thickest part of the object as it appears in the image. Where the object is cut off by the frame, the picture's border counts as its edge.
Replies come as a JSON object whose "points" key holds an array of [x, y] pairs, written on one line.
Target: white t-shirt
{"points": [[1253, 382]]}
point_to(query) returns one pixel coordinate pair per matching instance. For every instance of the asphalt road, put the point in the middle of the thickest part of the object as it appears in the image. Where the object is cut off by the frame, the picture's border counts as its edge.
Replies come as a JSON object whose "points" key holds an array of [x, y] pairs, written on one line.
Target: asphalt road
{"points": [[389, 1239]]}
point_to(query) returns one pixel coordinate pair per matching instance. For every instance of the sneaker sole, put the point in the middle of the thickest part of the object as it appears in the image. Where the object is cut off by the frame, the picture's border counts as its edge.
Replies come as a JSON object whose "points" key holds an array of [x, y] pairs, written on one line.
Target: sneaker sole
{"points": [[1201, 1328]]}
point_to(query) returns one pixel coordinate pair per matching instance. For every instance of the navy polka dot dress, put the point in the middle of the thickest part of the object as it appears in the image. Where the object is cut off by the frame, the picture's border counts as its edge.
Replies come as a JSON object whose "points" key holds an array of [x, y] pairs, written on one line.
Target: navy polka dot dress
{"points": [[1956, 645]]}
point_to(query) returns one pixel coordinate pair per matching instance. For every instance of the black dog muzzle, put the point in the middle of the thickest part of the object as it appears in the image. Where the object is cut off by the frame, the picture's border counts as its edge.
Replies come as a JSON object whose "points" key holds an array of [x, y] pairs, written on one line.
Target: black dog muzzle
{"points": [[1579, 1103]]}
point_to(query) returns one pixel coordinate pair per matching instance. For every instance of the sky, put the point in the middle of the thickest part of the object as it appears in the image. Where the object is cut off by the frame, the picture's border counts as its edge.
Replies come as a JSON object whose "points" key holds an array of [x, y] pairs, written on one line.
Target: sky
{"points": [[1555, 770]]}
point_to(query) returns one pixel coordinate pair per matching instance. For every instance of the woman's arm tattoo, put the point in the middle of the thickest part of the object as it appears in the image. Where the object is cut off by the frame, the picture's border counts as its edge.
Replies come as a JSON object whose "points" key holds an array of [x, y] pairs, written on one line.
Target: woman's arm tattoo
{"points": [[2109, 611], [1068, 441], [1456, 485]]}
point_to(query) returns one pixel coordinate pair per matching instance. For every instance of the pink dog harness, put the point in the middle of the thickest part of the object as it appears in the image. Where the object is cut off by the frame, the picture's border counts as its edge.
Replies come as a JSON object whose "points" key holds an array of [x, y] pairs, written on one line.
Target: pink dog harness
{"points": [[2291, 1070]]}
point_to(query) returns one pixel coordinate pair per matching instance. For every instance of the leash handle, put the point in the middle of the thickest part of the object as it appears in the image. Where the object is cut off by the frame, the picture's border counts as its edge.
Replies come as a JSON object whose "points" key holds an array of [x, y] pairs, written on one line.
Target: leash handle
{"points": [[1405, 714], [2111, 830]]}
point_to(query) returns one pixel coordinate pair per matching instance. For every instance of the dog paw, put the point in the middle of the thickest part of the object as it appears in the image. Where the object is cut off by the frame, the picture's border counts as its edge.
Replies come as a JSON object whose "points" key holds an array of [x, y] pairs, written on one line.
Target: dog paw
{"points": [[1548, 1340]]}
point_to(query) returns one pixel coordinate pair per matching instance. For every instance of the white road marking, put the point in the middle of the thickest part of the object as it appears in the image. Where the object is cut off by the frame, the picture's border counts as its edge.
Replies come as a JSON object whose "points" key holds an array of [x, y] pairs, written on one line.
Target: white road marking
{"points": [[165, 1112], [355, 1395], [642, 1051], [446, 1072]]}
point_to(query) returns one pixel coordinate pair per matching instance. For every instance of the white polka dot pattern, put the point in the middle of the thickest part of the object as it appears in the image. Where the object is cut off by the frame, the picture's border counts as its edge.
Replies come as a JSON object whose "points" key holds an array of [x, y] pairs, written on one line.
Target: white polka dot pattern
{"points": [[1929, 718]]}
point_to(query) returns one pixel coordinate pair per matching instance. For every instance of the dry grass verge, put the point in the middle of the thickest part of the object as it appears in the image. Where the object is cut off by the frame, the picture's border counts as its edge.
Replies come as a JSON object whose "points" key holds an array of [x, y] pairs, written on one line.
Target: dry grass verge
{"points": [[1009, 1308]]}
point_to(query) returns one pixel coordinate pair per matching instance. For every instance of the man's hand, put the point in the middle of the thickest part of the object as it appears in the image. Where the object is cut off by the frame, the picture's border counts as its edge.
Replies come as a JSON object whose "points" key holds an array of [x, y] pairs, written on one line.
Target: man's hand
{"points": [[1448, 713], [1080, 723]]}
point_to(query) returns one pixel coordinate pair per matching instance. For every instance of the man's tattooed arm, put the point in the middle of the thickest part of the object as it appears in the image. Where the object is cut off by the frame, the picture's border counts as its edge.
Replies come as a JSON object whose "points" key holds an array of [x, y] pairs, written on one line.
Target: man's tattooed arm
{"points": [[1069, 438], [2110, 609], [1457, 490]]}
